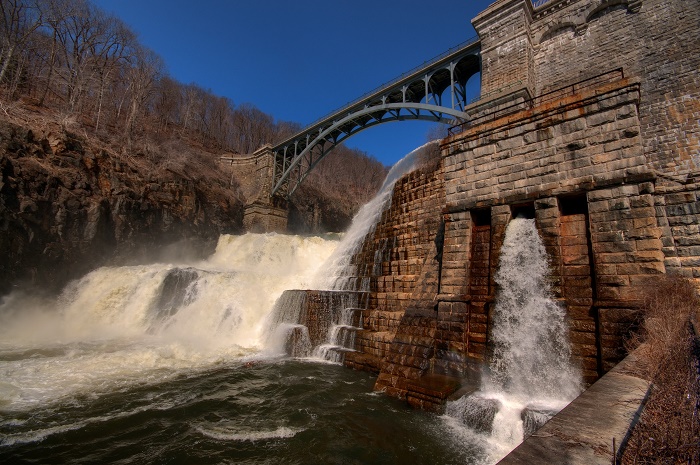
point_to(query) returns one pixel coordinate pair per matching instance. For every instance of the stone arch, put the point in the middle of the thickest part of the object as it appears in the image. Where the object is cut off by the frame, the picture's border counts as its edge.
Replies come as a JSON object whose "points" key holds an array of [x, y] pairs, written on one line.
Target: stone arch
{"points": [[606, 7], [557, 29]]}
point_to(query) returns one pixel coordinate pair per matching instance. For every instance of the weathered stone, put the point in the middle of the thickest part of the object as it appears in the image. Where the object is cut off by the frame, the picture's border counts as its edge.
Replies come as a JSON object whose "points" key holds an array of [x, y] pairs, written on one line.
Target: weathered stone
{"points": [[625, 151]]}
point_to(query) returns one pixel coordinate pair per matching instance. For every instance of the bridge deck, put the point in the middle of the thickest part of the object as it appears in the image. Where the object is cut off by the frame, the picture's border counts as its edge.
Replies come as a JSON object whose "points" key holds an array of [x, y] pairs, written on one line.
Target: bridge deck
{"points": [[434, 91]]}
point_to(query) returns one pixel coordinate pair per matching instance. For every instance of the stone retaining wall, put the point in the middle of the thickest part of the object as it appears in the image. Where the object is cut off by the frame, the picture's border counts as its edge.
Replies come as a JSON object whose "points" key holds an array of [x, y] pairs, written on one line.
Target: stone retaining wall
{"points": [[655, 41]]}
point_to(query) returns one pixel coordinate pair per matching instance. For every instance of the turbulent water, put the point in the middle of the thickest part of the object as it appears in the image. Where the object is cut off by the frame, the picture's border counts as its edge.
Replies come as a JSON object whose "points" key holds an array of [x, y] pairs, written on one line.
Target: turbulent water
{"points": [[275, 412], [168, 363], [186, 363], [143, 324], [530, 377], [181, 363]]}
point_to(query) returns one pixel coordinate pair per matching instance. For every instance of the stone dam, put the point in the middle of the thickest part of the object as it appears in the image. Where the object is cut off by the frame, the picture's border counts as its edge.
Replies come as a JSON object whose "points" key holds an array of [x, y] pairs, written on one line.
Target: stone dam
{"points": [[589, 123]]}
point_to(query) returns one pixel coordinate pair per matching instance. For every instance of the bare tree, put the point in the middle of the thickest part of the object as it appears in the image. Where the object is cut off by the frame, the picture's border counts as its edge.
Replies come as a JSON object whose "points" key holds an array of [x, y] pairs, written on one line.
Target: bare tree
{"points": [[110, 51], [82, 34], [19, 19], [252, 128], [167, 102], [146, 68]]}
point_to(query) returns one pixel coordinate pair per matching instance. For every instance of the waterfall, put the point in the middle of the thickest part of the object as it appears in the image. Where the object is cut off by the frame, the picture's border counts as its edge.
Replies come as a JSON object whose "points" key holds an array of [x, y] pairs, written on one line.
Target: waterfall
{"points": [[316, 324], [339, 272], [531, 352], [344, 325], [530, 376], [295, 322], [122, 325]]}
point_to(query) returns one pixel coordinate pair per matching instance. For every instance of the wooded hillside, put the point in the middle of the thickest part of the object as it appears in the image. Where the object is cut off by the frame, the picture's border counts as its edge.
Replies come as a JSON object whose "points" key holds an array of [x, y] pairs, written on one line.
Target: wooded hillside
{"points": [[95, 136]]}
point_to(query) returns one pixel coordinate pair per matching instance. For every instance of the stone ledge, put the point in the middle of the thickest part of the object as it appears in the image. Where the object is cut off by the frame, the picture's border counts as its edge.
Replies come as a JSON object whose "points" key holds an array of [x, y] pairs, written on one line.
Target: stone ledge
{"points": [[582, 433]]}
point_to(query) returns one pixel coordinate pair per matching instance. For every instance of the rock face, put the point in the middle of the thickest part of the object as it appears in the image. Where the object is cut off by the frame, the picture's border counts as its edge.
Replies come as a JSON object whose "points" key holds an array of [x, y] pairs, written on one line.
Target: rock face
{"points": [[580, 127], [66, 208]]}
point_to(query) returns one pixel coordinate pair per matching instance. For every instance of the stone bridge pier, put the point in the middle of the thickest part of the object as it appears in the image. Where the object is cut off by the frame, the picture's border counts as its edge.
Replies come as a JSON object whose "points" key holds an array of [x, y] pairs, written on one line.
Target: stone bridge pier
{"points": [[263, 212]]}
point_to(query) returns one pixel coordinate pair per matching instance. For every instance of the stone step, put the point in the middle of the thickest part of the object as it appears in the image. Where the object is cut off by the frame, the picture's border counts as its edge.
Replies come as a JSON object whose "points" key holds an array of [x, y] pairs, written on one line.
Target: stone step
{"points": [[349, 327]]}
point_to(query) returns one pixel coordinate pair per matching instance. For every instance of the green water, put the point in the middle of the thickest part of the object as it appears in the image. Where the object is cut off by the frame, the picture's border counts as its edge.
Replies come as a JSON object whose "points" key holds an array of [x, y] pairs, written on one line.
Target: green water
{"points": [[265, 412]]}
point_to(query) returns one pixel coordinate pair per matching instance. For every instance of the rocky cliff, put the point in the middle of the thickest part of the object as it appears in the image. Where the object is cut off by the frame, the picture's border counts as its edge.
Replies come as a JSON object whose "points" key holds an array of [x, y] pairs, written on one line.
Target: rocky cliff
{"points": [[68, 204]]}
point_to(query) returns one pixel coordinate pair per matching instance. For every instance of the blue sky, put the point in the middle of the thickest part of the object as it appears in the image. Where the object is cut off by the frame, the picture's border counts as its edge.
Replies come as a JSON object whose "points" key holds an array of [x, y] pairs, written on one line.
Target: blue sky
{"points": [[298, 60]]}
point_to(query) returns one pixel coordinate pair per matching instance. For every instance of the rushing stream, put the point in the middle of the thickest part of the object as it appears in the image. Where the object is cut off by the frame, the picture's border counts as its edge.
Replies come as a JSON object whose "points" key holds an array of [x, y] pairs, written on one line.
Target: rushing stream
{"points": [[530, 376], [185, 363], [168, 363]]}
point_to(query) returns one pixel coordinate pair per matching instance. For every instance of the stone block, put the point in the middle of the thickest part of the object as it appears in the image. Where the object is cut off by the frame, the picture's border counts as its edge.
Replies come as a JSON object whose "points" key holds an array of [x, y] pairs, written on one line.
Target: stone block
{"points": [[580, 312]]}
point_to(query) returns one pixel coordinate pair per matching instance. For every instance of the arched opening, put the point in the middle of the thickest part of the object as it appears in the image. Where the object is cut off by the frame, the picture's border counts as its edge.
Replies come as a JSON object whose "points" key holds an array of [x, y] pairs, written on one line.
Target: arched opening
{"points": [[559, 30], [439, 87], [605, 8], [473, 88], [467, 77]]}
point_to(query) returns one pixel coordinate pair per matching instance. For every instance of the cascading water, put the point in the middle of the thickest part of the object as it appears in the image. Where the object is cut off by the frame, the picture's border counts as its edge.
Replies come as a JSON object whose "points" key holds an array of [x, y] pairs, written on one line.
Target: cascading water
{"points": [[339, 273], [120, 325], [531, 352], [342, 320], [530, 376], [305, 321]]}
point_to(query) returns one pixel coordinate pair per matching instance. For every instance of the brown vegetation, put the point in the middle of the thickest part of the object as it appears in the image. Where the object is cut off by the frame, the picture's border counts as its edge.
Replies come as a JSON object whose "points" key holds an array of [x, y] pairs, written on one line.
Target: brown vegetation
{"points": [[103, 156], [668, 356], [93, 76], [339, 185]]}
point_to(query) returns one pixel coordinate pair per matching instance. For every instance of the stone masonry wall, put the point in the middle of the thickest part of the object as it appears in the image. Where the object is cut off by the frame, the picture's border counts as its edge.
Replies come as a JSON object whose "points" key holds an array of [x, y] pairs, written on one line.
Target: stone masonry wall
{"points": [[393, 258], [576, 164], [655, 41], [582, 140], [506, 46], [607, 169]]}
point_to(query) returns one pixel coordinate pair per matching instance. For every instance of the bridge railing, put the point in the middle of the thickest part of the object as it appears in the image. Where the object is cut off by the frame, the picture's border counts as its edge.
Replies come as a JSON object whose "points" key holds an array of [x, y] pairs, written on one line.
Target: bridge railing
{"points": [[571, 89], [388, 84]]}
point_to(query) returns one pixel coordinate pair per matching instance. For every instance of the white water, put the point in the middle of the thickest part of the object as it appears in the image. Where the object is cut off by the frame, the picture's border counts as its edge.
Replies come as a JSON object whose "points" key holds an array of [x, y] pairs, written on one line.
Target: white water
{"points": [[339, 272], [290, 336], [531, 358], [132, 325], [531, 376]]}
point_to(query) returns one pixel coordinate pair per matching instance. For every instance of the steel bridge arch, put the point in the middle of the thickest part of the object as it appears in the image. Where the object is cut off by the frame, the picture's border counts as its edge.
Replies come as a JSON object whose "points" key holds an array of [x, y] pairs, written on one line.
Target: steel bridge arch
{"points": [[416, 95]]}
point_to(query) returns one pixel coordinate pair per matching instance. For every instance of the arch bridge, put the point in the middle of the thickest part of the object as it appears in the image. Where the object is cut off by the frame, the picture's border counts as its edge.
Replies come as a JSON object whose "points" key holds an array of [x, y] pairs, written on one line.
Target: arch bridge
{"points": [[435, 91]]}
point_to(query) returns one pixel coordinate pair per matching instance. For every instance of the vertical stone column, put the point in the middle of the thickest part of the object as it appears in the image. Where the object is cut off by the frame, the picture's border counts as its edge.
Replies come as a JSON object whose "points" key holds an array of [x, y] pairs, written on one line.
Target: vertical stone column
{"points": [[453, 310], [265, 213], [578, 287], [506, 46], [455, 256], [548, 225], [628, 255], [480, 289], [678, 216]]}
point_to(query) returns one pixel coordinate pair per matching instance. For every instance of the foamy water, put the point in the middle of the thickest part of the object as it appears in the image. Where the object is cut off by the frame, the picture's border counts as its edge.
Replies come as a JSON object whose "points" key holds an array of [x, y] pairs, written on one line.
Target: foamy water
{"points": [[530, 376], [125, 326]]}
